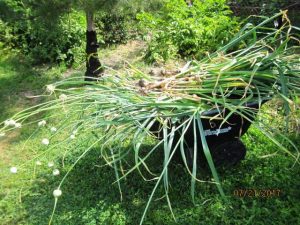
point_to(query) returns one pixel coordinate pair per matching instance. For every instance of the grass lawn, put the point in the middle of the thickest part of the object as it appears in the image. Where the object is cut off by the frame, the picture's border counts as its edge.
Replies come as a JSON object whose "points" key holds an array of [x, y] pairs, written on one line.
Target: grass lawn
{"points": [[89, 197]]}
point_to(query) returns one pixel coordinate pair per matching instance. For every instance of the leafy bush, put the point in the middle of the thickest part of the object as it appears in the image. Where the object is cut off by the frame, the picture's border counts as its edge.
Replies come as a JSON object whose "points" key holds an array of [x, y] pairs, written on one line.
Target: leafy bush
{"points": [[188, 31], [55, 40], [5, 32], [62, 44], [112, 28]]}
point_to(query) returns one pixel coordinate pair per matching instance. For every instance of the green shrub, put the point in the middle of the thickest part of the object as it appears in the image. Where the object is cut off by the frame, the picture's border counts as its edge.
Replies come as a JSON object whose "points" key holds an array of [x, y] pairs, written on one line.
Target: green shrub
{"points": [[112, 28], [188, 31], [61, 43], [4, 34], [43, 40]]}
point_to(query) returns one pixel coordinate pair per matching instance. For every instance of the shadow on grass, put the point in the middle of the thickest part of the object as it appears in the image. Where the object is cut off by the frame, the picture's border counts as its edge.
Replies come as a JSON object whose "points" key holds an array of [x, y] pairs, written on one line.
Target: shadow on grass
{"points": [[90, 197], [18, 81]]}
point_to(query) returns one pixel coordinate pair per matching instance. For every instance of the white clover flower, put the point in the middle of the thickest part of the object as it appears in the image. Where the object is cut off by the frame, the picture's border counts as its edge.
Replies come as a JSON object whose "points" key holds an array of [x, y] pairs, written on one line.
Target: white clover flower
{"points": [[10, 122], [50, 88], [63, 97], [72, 136], [53, 129], [2, 134], [45, 141], [42, 123], [18, 125], [50, 164], [38, 163], [13, 170], [55, 172], [57, 193]]}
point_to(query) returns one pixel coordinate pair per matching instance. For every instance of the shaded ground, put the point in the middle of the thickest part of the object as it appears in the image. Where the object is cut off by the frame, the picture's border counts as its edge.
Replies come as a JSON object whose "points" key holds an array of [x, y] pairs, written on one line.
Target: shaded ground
{"points": [[89, 197]]}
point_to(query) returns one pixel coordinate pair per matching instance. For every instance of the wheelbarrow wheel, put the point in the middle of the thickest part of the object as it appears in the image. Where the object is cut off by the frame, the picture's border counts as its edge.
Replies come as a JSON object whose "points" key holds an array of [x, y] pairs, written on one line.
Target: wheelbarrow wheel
{"points": [[228, 153]]}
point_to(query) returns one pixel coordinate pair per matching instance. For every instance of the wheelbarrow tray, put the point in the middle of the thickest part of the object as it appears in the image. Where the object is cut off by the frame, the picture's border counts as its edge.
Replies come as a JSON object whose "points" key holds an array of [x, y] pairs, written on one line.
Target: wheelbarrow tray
{"points": [[223, 138]]}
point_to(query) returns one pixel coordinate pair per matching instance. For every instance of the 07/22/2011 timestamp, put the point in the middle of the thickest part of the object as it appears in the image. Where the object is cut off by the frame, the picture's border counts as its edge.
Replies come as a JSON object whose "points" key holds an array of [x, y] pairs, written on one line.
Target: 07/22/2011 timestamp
{"points": [[260, 193]]}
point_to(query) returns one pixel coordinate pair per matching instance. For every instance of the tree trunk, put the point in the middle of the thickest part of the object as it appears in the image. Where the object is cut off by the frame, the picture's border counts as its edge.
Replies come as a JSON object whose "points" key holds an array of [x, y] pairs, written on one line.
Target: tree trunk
{"points": [[93, 66]]}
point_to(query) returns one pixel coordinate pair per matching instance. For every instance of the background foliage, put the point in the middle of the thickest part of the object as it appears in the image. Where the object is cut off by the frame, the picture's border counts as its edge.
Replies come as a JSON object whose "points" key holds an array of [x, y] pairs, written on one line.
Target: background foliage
{"points": [[188, 31], [57, 39], [174, 29], [54, 31]]}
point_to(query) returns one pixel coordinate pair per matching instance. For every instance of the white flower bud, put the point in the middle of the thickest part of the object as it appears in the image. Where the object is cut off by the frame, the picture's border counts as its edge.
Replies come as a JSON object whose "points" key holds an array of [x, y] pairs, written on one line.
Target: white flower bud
{"points": [[55, 172], [45, 141], [10, 122], [57, 193], [50, 88], [13, 170], [72, 136], [63, 97], [2, 134], [42, 123], [53, 129], [38, 163], [50, 164], [18, 125]]}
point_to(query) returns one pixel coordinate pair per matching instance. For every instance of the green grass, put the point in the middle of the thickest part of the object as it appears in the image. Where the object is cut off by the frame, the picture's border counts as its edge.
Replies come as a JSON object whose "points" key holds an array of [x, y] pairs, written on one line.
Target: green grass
{"points": [[90, 198], [19, 79]]}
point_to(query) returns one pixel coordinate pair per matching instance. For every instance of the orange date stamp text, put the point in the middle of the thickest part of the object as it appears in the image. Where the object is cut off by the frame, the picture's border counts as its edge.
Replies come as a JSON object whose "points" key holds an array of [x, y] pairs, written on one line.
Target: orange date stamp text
{"points": [[257, 193]]}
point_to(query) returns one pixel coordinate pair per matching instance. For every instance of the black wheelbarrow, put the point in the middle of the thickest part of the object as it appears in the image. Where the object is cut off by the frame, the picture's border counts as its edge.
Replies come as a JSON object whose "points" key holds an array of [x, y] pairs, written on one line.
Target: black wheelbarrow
{"points": [[223, 140]]}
